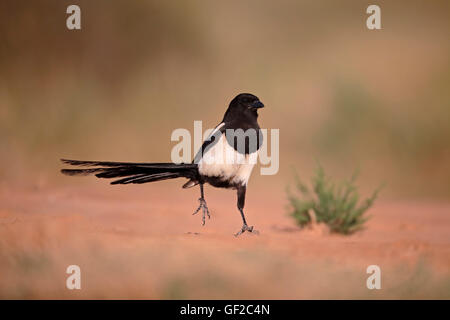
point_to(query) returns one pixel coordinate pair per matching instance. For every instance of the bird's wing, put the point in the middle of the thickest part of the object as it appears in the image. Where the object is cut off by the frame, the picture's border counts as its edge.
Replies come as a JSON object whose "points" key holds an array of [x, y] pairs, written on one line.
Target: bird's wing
{"points": [[239, 140], [209, 142]]}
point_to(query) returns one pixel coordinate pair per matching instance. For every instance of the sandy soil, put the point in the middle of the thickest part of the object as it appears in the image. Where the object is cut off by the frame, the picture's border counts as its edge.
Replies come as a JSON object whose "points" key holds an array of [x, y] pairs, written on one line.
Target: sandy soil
{"points": [[143, 242]]}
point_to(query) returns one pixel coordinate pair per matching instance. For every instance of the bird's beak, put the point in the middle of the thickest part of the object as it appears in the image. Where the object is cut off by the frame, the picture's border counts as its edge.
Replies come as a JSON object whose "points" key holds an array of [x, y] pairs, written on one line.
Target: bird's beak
{"points": [[258, 104]]}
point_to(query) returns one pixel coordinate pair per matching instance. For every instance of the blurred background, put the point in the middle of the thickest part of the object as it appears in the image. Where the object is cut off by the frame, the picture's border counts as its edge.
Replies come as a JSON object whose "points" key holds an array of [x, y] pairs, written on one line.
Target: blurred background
{"points": [[340, 93]]}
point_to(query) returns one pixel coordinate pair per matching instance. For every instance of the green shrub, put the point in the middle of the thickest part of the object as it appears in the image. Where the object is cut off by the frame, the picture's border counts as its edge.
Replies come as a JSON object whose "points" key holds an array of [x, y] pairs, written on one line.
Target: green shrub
{"points": [[333, 204]]}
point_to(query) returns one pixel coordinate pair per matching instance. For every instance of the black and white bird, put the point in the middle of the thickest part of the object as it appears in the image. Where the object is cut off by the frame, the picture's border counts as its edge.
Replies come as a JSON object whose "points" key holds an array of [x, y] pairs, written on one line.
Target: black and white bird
{"points": [[225, 160]]}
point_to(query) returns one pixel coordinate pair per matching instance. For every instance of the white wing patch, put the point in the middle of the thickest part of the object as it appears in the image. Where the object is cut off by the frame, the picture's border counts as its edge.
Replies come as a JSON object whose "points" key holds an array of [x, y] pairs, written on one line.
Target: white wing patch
{"points": [[216, 129], [221, 160]]}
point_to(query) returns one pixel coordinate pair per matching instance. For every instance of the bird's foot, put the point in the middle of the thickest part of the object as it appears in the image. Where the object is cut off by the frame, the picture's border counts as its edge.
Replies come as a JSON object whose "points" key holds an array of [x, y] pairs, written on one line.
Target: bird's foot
{"points": [[204, 208], [245, 227]]}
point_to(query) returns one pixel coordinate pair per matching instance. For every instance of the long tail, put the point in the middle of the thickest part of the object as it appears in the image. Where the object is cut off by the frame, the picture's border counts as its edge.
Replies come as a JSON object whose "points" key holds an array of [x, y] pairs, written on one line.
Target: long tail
{"points": [[131, 172]]}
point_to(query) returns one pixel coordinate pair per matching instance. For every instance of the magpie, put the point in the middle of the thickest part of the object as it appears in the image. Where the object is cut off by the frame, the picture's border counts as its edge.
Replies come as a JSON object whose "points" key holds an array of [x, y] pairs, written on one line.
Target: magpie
{"points": [[225, 159]]}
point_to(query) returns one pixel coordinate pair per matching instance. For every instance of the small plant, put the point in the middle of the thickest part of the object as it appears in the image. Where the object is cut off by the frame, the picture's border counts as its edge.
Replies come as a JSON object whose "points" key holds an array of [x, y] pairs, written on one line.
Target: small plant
{"points": [[336, 205]]}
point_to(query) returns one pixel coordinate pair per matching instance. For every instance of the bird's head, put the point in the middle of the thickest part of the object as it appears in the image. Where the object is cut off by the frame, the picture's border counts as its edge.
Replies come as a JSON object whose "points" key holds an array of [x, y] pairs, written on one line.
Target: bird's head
{"points": [[244, 104]]}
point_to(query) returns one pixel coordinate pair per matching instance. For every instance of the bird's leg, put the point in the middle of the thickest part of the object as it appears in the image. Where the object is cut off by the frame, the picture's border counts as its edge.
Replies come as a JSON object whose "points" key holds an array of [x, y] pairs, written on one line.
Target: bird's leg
{"points": [[202, 206], [245, 226], [241, 201]]}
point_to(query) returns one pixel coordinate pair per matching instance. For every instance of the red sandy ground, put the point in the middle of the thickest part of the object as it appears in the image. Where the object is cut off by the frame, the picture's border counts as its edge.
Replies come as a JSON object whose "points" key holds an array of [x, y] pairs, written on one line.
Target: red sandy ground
{"points": [[142, 242]]}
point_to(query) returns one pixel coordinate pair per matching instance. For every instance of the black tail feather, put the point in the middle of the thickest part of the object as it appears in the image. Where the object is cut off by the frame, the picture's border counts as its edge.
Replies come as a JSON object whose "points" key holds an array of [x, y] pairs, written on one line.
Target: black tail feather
{"points": [[80, 172], [132, 172], [144, 178], [166, 165]]}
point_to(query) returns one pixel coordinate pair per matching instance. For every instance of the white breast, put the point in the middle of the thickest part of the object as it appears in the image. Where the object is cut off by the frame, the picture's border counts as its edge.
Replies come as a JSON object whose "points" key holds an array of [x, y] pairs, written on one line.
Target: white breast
{"points": [[221, 160]]}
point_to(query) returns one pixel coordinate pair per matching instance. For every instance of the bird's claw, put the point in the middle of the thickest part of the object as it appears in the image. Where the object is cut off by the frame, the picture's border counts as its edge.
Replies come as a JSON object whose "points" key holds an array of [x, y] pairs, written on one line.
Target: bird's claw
{"points": [[245, 227], [204, 208]]}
